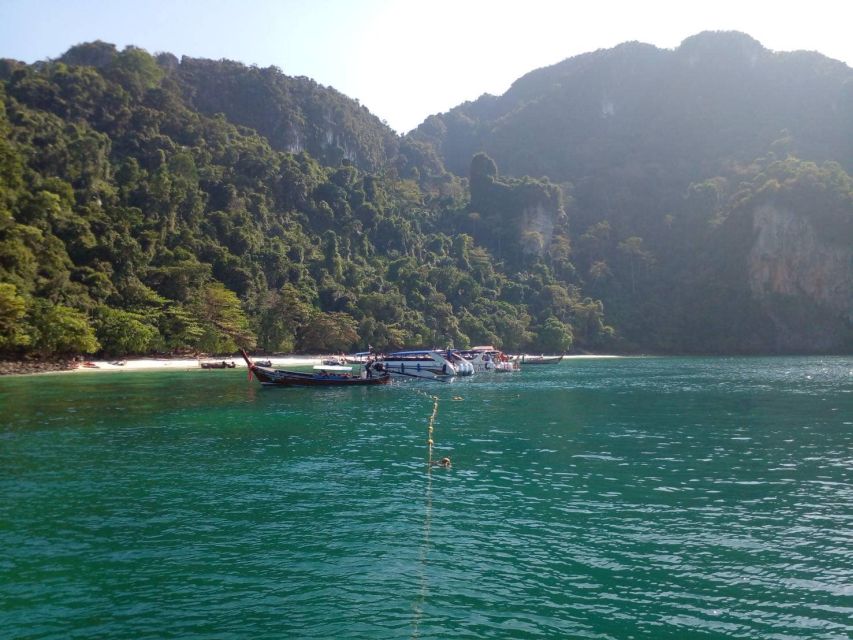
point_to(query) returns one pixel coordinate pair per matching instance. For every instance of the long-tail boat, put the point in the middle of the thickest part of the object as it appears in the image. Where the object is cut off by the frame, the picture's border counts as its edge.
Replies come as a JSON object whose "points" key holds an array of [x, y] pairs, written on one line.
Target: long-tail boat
{"points": [[323, 376], [525, 359], [217, 365]]}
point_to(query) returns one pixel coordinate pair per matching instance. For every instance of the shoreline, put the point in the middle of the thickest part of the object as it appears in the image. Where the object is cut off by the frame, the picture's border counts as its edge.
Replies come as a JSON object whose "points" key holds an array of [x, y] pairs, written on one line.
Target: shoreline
{"points": [[39, 367], [36, 367]]}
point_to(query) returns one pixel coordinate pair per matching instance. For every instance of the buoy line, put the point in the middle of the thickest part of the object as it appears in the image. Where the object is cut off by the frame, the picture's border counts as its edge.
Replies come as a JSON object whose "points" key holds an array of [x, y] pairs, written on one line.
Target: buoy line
{"points": [[445, 461], [418, 605]]}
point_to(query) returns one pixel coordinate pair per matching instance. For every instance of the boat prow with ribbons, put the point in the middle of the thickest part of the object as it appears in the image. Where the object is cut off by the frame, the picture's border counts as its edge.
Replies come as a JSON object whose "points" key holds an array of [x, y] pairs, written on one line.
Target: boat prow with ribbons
{"points": [[372, 373]]}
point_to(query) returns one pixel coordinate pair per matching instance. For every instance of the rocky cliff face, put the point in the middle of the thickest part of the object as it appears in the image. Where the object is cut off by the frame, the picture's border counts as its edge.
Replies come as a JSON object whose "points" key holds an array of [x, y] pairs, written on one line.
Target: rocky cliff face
{"points": [[537, 222], [804, 284]]}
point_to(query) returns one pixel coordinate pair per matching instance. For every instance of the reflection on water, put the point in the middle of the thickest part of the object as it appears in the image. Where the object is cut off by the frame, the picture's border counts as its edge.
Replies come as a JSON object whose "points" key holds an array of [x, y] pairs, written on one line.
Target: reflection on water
{"points": [[645, 497]]}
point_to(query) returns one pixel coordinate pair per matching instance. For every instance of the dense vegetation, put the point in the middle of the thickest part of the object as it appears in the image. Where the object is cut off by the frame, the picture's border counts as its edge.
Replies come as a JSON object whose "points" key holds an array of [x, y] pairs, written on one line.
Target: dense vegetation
{"points": [[138, 214], [150, 205], [664, 157]]}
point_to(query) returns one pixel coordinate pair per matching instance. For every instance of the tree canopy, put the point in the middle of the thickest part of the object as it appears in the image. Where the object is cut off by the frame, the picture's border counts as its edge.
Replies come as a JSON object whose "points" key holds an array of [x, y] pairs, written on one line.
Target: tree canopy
{"points": [[150, 204]]}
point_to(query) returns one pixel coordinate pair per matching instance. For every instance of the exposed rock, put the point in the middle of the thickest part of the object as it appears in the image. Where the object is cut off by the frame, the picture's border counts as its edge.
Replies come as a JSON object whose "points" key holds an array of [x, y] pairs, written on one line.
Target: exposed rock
{"points": [[789, 263], [21, 367]]}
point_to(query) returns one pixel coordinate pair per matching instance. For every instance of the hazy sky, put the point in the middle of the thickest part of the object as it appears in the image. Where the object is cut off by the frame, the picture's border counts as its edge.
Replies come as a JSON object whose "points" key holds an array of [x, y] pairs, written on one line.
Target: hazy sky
{"points": [[405, 60]]}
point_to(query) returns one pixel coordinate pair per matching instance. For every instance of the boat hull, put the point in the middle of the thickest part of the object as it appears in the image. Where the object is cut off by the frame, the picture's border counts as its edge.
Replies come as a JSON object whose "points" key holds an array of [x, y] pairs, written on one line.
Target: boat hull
{"points": [[430, 365], [283, 378], [489, 361], [218, 365], [407, 370], [540, 360], [279, 377]]}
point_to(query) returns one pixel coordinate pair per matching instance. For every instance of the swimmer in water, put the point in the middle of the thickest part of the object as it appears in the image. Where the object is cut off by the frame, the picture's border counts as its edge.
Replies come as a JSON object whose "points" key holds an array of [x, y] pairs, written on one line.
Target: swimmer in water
{"points": [[444, 462]]}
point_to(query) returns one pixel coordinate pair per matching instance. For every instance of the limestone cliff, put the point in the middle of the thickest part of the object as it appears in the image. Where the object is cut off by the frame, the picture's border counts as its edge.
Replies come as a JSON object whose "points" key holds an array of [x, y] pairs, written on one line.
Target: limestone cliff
{"points": [[803, 283]]}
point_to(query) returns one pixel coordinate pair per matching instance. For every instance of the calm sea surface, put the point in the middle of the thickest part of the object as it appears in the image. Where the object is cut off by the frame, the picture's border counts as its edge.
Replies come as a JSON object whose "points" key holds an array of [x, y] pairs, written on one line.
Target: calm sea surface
{"points": [[611, 498]]}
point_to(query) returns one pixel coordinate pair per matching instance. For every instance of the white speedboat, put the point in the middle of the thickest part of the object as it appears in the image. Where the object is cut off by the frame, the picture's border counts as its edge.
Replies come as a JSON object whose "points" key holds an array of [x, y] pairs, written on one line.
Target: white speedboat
{"points": [[487, 358], [419, 364], [463, 367]]}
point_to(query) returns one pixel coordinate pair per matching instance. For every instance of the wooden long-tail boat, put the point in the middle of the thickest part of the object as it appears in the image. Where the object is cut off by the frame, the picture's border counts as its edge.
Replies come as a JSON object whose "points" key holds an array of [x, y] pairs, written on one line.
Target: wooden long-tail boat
{"points": [[324, 376], [525, 359], [217, 365]]}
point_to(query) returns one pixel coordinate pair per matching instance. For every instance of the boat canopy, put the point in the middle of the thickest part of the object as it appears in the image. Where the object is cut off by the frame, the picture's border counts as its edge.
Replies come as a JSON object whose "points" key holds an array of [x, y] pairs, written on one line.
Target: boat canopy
{"points": [[423, 355], [332, 367], [418, 352]]}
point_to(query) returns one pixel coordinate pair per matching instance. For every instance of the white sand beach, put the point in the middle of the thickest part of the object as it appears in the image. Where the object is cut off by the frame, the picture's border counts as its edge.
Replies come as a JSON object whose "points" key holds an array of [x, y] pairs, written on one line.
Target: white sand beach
{"points": [[186, 364]]}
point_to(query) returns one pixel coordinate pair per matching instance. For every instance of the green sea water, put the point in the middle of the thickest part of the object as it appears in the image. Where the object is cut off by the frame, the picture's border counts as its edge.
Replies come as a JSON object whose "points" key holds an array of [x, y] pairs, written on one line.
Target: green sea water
{"points": [[606, 498]]}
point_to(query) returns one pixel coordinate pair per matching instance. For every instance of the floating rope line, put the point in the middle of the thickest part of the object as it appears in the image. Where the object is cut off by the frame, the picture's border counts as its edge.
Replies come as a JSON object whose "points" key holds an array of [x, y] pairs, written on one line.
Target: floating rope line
{"points": [[431, 429], [418, 605], [445, 461]]}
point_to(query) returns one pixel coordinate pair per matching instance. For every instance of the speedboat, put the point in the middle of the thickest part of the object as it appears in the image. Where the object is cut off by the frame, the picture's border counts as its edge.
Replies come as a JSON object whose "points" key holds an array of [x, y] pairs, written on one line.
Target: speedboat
{"points": [[428, 364], [462, 366], [487, 358]]}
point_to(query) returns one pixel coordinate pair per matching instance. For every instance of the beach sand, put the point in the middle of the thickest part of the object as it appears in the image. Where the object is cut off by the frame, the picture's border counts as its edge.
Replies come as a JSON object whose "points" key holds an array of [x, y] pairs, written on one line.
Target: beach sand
{"points": [[189, 364]]}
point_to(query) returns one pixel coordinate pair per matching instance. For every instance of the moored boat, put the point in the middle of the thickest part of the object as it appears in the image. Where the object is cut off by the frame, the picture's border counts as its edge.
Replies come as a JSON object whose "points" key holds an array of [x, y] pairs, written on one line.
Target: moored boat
{"points": [[429, 364], [323, 376], [218, 365], [463, 367], [525, 359], [487, 358]]}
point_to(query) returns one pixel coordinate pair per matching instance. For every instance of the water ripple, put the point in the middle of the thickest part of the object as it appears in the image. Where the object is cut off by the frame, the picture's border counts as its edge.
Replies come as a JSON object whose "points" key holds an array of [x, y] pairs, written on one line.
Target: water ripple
{"points": [[663, 498]]}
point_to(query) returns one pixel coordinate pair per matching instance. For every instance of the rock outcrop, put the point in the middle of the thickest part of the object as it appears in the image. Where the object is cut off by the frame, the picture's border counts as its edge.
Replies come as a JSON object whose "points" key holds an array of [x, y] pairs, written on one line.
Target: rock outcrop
{"points": [[804, 284]]}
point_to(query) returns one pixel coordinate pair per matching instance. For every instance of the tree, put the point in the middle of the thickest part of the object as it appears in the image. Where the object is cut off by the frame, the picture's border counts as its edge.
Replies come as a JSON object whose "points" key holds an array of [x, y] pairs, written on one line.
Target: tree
{"points": [[225, 325], [328, 332], [512, 324], [136, 70], [282, 315], [633, 247], [554, 336], [61, 330], [95, 54], [14, 332], [588, 326], [482, 174], [122, 332], [179, 328]]}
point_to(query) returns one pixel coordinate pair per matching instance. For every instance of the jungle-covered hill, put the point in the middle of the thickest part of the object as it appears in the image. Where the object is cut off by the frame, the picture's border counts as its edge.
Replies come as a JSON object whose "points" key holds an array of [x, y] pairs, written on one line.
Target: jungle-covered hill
{"points": [[155, 205], [707, 187], [150, 204]]}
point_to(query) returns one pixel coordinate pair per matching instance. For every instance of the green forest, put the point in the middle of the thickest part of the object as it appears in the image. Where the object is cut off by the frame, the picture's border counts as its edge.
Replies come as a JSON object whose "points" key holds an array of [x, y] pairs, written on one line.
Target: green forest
{"points": [[156, 205]]}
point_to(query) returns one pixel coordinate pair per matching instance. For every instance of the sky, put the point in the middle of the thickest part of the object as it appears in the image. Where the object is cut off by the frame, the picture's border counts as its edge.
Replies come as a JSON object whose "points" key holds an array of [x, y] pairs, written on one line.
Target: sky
{"points": [[408, 59]]}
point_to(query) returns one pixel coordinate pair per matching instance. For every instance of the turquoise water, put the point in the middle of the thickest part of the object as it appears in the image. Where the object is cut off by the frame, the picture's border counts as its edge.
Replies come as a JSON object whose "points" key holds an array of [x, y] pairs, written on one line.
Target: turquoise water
{"points": [[617, 498]]}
